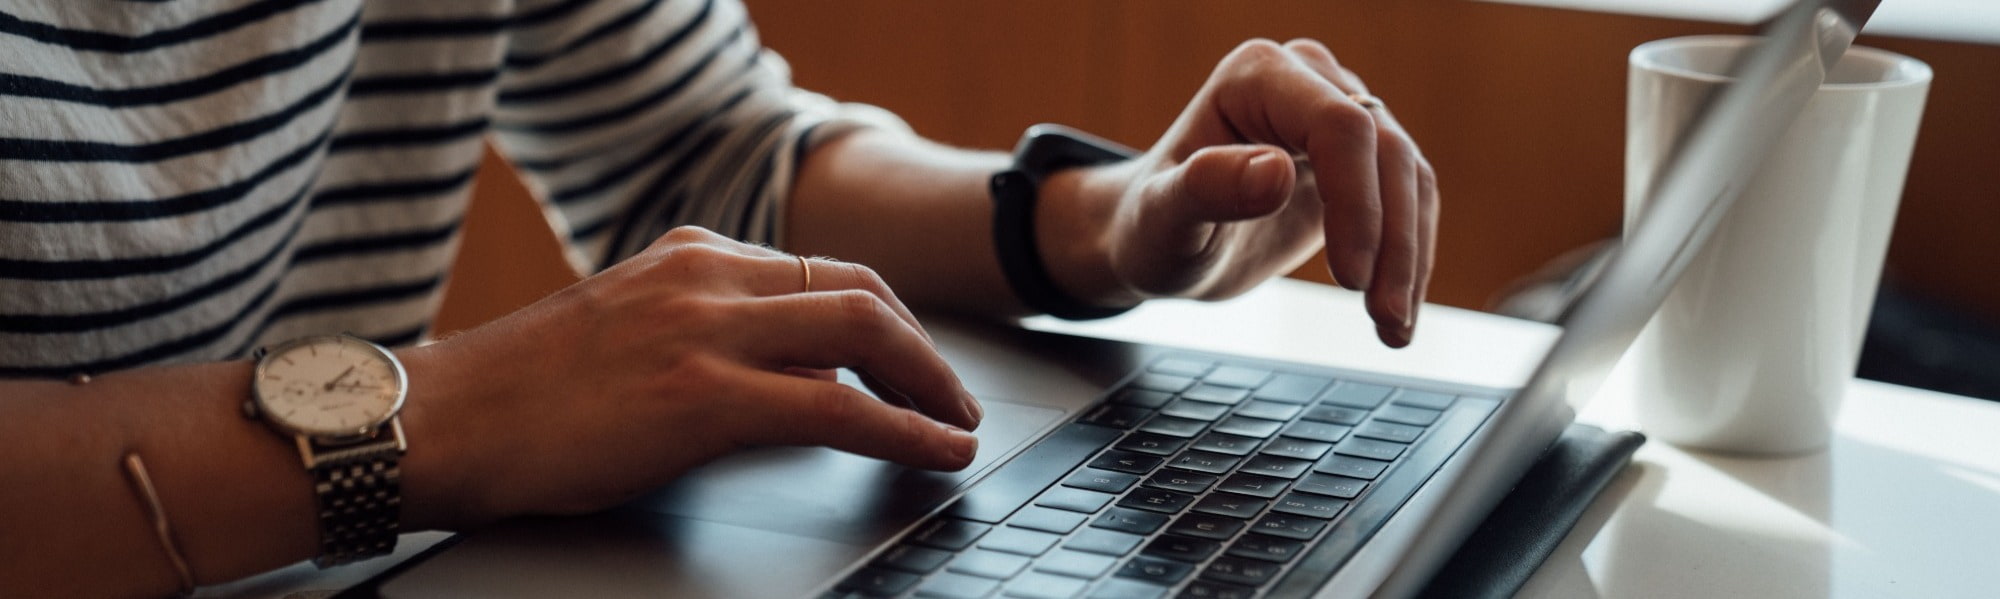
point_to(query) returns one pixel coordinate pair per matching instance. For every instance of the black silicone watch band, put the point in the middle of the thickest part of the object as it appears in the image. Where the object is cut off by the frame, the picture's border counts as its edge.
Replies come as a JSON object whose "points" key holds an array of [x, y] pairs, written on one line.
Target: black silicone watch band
{"points": [[1043, 150]]}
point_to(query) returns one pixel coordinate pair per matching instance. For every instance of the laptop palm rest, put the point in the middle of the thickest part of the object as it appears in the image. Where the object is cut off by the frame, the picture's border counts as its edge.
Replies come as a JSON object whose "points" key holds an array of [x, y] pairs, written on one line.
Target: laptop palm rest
{"points": [[720, 530]]}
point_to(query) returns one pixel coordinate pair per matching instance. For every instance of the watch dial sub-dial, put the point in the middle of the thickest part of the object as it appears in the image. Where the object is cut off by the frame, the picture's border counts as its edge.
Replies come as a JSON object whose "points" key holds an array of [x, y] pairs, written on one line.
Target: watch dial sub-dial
{"points": [[329, 385]]}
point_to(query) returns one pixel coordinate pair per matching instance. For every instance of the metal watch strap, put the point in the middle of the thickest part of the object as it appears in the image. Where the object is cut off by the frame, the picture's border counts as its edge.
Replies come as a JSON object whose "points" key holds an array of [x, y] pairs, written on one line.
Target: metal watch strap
{"points": [[360, 506]]}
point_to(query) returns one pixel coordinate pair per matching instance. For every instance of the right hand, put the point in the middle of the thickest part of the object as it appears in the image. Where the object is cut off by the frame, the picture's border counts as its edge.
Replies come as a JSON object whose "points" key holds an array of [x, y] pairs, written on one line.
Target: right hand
{"points": [[694, 348]]}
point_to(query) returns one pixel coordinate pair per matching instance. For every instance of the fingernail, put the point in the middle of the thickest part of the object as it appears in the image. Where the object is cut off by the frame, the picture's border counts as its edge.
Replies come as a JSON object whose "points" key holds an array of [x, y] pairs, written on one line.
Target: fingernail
{"points": [[1397, 338], [963, 444], [1364, 275], [1264, 176], [973, 413]]}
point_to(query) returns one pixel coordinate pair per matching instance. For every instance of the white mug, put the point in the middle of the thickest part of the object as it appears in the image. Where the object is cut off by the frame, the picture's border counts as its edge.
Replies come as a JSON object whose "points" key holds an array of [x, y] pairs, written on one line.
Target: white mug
{"points": [[1757, 342]]}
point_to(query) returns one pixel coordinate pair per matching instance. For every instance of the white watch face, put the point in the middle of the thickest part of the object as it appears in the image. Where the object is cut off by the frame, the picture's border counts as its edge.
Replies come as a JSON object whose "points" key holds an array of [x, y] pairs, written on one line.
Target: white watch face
{"points": [[329, 385]]}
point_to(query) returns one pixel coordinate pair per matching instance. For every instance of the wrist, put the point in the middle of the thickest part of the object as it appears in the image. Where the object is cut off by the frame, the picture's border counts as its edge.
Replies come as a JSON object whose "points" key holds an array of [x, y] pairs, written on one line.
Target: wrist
{"points": [[1073, 224], [441, 468]]}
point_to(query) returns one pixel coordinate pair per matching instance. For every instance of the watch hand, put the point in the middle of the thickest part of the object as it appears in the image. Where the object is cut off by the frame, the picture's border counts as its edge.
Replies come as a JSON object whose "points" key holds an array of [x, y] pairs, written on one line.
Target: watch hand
{"points": [[343, 374]]}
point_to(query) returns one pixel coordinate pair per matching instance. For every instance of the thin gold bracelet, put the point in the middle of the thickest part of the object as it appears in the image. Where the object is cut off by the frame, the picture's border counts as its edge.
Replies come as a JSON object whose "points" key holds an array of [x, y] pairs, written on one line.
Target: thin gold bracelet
{"points": [[136, 470]]}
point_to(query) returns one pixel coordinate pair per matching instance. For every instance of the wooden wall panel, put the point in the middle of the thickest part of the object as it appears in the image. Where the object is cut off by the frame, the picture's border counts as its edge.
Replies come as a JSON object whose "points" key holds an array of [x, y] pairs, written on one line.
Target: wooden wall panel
{"points": [[1520, 108]]}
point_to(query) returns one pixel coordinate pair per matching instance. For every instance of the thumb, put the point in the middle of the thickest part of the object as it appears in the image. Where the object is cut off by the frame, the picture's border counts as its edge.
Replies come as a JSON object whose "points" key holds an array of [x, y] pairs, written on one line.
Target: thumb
{"points": [[1227, 183]]}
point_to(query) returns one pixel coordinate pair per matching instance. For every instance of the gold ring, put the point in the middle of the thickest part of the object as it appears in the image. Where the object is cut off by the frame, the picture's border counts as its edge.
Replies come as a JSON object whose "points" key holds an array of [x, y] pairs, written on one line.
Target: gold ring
{"points": [[1366, 101], [805, 267]]}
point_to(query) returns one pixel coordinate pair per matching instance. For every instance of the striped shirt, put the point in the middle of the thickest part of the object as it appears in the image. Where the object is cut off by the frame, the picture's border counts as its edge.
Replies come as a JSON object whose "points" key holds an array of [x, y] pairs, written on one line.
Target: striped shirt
{"points": [[185, 180]]}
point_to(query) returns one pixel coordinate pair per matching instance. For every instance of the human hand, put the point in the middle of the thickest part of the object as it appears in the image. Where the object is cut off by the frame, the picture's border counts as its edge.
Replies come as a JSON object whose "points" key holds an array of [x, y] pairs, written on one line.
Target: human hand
{"points": [[696, 347], [1271, 159]]}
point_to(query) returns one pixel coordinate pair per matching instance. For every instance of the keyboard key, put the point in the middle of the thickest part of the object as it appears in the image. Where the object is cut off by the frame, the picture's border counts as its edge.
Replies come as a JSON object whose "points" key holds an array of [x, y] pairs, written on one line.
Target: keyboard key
{"points": [[1369, 448], [1249, 427], [1238, 377], [1185, 482], [1335, 414], [956, 586], [1202, 589], [1151, 569], [1270, 549], [1389, 431], [1150, 443], [1046, 520], [1351, 466], [1407, 415], [1234, 506], [1290, 527], [1317, 431], [1126, 461], [950, 534], [1424, 399], [1206, 526], [914, 559], [988, 564], [1202, 461], [1297, 448], [1044, 586], [1179, 366], [1175, 427], [878, 582], [1241, 571], [1292, 388], [1333, 486], [1268, 410], [1019, 540], [1227, 444], [1181, 549], [1310, 506], [1104, 541], [1356, 395], [1262, 487], [1275, 466], [1155, 500], [1195, 410], [1079, 564], [1215, 394], [1162, 382], [1117, 416], [1101, 480], [1126, 588], [1141, 398], [1075, 500], [1132, 521]]}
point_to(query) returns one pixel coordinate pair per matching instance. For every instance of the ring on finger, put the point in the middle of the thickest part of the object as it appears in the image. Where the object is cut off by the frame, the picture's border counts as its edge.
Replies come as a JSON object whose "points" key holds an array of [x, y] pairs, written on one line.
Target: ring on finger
{"points": [[1366, 101]]}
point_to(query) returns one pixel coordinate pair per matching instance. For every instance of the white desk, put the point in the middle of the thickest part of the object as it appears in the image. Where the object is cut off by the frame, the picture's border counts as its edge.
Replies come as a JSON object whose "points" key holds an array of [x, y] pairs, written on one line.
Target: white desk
{"points": [[1907, 503]]}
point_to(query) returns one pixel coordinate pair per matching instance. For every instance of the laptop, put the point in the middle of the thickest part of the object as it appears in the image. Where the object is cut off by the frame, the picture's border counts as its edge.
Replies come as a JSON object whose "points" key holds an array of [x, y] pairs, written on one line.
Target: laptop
{"points": [[1120, 470]]}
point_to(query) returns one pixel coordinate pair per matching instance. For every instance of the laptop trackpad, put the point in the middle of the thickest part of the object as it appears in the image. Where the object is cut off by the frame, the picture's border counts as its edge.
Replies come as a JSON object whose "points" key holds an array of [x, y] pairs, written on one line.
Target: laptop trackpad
{"points": [[837, 496]]}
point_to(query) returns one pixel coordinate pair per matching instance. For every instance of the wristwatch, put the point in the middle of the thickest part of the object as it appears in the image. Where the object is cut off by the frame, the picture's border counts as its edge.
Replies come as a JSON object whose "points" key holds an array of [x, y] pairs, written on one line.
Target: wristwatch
{"points": [[1043, 150], [337, 397]]}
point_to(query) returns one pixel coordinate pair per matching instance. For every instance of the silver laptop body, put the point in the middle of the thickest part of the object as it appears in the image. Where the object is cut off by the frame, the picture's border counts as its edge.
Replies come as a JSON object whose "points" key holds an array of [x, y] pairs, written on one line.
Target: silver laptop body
{"points": [[795, 522]]}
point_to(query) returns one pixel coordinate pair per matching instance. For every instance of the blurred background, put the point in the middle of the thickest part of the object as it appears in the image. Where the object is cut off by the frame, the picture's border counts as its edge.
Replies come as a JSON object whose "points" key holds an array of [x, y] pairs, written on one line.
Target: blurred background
{"points": [[1520, 108]]}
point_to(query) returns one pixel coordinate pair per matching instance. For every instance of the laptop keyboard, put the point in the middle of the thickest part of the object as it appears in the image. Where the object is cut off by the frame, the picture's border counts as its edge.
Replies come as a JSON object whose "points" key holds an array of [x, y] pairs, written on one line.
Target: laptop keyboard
{"points": [[1193, 478]]}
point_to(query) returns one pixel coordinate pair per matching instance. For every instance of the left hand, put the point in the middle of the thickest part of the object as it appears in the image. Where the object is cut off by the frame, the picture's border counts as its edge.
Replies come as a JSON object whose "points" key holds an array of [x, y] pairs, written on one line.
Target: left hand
{"points": [[1272, 159]]}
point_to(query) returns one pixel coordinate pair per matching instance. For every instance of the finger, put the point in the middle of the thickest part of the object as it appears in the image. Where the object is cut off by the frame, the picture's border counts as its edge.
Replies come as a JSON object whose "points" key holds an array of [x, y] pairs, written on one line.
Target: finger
{"points": [[884, 392], [855, 329], [1274, 97], [1396, 263], [818, 374], [796, 411], [1428, 207], [778, 273], [1320, 59], [1226, 183]]}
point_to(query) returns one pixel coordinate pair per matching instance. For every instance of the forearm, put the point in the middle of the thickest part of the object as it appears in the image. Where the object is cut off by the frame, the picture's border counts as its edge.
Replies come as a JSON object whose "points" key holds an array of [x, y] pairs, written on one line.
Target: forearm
{"points": [[235, 492], [920, 214]]}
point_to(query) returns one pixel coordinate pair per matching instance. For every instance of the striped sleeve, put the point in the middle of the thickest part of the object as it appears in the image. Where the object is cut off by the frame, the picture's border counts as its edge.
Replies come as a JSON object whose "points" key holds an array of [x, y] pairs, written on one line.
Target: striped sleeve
{"points": [[631, 117]]}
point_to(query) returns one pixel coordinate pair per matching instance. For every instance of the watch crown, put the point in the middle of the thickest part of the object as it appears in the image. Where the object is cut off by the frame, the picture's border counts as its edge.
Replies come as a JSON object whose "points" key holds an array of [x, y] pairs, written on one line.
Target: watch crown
{"points": [[250, 409]]}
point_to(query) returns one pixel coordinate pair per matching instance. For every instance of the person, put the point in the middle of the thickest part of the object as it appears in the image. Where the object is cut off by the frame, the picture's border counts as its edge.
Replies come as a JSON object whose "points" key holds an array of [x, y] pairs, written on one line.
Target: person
{"points": [[183, 182]]}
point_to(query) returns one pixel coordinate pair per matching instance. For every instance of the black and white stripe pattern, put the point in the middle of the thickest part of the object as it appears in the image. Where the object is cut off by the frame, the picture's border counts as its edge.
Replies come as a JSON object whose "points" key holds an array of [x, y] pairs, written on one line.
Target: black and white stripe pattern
{"points": [[186, 180]]}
